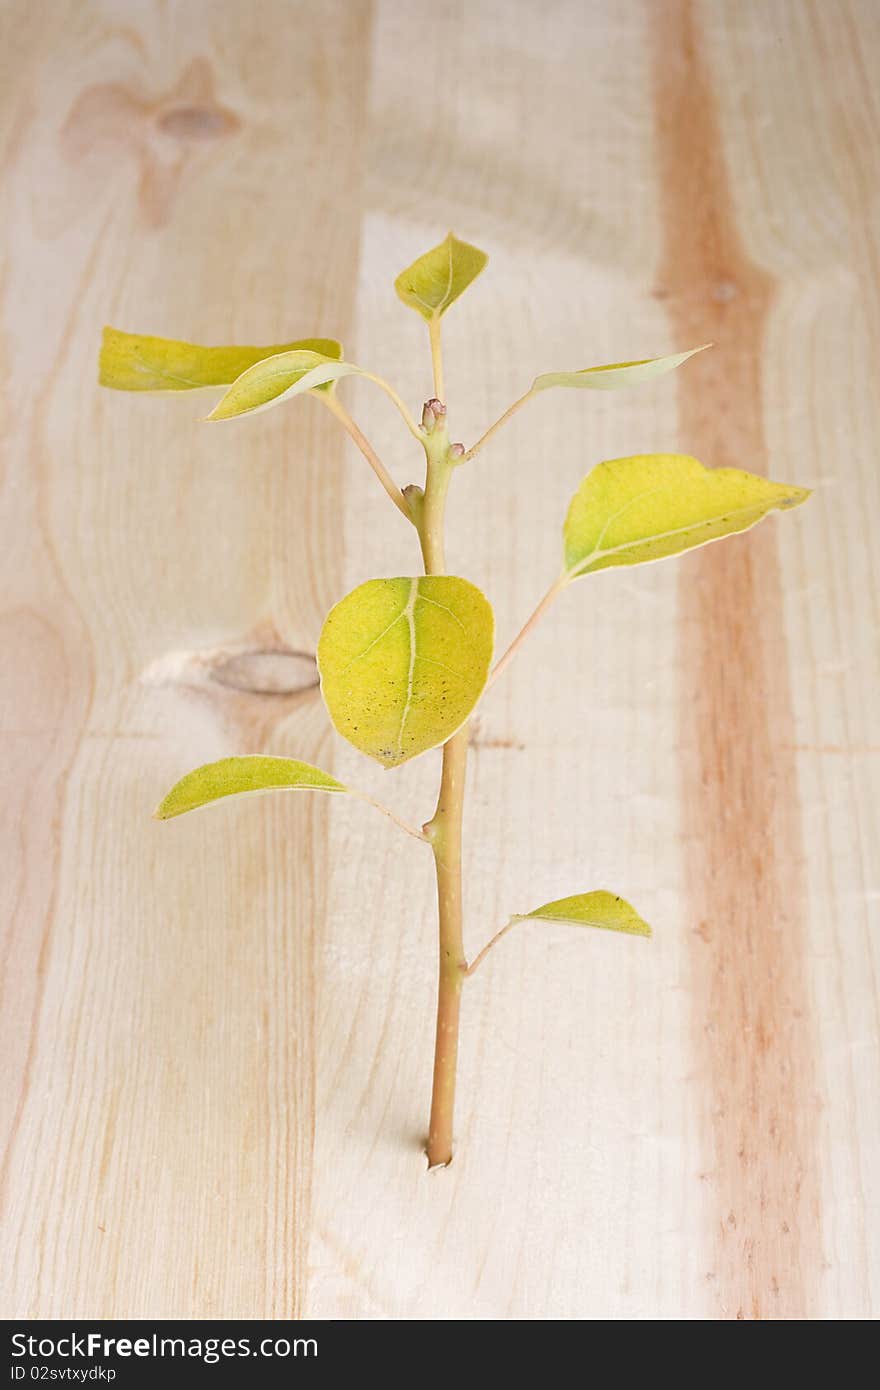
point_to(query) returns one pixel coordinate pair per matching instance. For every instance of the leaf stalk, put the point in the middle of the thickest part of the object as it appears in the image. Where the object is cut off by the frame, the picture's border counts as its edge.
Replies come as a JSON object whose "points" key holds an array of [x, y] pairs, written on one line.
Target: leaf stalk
{"points": [[437, 358], [481, 955], [493, 429], [397, 400], [550, 597], [334, 405], [392, 815]]}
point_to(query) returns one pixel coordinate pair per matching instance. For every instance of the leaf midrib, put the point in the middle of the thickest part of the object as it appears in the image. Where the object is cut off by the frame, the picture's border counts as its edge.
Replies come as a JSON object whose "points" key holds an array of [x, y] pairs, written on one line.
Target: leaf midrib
{"points": [[598, 554]]}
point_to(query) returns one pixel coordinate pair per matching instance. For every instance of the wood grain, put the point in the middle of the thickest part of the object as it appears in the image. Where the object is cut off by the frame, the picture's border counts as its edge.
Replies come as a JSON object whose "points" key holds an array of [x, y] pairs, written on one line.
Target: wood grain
{"points": [[217, 1035], [739, 778]]}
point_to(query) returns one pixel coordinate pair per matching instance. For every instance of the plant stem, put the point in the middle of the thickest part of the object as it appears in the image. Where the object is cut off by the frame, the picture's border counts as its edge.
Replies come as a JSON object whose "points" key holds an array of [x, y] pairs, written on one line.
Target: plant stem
{"points": [[444, 832], [444, 829], [329, 399], [431, 532]]}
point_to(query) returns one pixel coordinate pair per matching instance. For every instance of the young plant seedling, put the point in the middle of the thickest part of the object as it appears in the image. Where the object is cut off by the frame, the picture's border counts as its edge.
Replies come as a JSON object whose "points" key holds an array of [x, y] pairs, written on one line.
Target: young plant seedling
{"points": [[405, 661]]}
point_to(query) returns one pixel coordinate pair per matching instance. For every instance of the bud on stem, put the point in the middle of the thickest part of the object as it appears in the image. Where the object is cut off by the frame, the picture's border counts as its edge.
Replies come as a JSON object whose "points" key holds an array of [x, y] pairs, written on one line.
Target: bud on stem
{"points": [[433, 414]]}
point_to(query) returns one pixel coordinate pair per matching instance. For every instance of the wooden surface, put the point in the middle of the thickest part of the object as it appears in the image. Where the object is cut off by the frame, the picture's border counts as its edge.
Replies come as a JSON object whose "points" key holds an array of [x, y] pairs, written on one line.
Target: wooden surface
{"points": [[216, 1034]]}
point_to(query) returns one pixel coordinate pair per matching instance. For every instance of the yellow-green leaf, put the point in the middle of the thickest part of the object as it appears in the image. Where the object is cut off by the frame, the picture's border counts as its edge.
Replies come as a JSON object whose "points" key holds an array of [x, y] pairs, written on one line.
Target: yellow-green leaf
{"points": [[276, 379], [615, 375], [598, 909], [241, 776], [434, 282], [404, 661], [632, 510], [132, 362]]}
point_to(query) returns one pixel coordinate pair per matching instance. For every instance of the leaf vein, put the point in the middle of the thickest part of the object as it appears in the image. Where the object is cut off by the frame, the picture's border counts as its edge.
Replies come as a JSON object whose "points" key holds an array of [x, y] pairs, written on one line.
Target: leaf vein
{"points": [[164, 375], [449, 279], [370, 645], [664, 535], [434, 662], [631, 502], [409, 614], [452, 615]]}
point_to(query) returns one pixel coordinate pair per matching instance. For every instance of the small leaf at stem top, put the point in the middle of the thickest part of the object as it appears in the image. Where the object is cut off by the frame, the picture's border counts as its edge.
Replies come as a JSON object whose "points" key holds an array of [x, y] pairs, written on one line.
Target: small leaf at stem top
{"points": [[615, 375], [434, 282], [241, 776], [133, 362], [599, 909], [633, 510], [404, 661]]}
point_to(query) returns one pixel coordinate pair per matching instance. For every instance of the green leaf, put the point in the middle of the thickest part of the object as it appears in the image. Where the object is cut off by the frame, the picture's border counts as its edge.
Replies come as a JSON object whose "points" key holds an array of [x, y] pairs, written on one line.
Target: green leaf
{"points": [[598, 909], [404, 661], [131, 362], [615, 375], [632, 510], [278, 378], [434, 282], [241, 776]]}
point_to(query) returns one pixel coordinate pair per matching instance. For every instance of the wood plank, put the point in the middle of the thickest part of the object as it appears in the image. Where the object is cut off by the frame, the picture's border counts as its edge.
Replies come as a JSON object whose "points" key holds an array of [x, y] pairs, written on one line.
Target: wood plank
{"points": [[218, 1034], [160, 1004]]}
